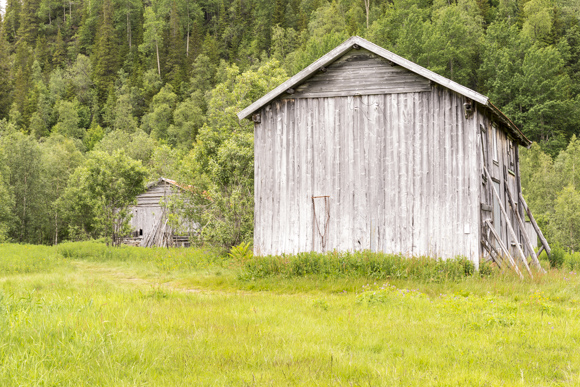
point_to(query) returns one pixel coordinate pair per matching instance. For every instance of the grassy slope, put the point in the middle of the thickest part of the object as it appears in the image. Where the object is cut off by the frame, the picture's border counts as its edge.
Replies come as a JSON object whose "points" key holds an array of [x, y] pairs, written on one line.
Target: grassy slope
{"points": [[157, 320]]}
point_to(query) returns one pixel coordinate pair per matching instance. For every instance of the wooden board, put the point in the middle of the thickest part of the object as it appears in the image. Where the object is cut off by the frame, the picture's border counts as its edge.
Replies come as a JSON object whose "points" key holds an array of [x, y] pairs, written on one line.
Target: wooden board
{"points": [[360, 72]]}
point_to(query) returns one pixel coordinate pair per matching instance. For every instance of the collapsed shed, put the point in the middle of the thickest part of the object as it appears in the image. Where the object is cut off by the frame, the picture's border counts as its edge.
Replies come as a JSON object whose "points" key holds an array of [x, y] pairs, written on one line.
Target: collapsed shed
{"points": [[150, 222], [364, 149]]}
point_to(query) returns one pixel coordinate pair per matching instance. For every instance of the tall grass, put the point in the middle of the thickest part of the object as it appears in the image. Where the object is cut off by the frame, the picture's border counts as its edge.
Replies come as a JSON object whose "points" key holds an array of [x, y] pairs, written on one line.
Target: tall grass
{"points": [[358, 264], [165, 259], [20, 259], [85, 328]]}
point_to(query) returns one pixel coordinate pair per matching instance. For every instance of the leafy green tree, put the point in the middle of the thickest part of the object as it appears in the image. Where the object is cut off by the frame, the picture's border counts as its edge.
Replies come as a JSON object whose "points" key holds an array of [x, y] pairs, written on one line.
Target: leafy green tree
{"points": [[68, 120], [122, 112], [6, 200], [102, 190], [60, 157], [220, 165], [79, 76], [23, 161], [153, 35], [538, 20], [454, 40], [566, 218], [158, 120]]}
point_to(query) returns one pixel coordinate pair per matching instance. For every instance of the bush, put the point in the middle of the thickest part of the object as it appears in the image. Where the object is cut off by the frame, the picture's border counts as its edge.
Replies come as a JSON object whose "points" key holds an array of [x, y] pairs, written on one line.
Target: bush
{"points": [[557, 257], [572, 261], [359, 264]]}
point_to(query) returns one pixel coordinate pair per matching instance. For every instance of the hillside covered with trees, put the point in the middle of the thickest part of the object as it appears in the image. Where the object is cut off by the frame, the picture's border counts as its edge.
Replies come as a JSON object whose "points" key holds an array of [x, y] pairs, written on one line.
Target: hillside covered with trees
{"points": [[101, 91]]}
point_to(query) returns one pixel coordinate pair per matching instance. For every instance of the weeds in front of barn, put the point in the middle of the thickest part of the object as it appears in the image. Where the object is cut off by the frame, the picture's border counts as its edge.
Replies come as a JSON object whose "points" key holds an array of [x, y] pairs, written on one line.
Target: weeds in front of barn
{"points": [[363, 264]]}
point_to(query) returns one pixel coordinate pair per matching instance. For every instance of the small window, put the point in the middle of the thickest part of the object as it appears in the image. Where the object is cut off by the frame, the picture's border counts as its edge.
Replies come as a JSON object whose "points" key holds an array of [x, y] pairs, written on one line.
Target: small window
{"points": [[494, 134], [511, 157]]}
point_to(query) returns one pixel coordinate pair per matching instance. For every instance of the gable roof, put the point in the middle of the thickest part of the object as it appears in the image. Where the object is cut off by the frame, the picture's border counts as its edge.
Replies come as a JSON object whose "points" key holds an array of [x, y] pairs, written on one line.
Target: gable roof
{"points": [[337, 52], [165, 180]]}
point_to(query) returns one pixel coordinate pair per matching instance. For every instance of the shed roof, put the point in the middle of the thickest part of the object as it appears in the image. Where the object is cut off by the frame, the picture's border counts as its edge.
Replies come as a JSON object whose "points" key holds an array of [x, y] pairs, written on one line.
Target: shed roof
{"points": [[337, 52], [168, 181]]}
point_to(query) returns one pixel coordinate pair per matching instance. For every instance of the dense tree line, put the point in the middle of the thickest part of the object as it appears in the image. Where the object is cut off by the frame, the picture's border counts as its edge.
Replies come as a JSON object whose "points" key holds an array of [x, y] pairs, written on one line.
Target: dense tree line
{"points": [[103, 84]]}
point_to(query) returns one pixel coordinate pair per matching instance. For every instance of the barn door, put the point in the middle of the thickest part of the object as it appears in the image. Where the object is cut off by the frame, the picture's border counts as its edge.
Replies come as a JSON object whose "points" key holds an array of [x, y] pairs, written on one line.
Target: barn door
{"points": [[320, 222]]}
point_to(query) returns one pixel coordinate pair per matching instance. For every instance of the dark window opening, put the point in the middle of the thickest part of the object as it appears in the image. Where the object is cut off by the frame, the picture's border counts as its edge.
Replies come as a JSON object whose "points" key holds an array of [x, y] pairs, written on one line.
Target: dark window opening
{"points": [[141, 232]]}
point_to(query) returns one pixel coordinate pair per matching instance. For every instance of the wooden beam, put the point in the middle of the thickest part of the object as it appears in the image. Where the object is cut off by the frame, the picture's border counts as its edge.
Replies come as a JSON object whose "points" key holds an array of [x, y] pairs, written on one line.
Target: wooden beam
{"points": [[523, 231], [509, 224], [489, 247], [504, 249], [540, 251], [536, 227]]}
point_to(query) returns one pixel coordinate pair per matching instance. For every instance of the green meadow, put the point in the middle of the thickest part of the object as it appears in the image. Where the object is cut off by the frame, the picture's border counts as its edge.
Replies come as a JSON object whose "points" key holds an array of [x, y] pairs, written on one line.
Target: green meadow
{"points": [[84, 314]]}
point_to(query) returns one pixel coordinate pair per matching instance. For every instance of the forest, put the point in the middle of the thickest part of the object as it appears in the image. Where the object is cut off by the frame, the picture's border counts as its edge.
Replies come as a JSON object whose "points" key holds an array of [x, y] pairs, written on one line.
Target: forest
{"points": [[98, 97]]}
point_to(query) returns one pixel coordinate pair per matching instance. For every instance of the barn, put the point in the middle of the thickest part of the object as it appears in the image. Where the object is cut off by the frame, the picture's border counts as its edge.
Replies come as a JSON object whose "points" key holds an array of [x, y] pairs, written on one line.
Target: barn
{"points": [[365, 150], [149, 217]]}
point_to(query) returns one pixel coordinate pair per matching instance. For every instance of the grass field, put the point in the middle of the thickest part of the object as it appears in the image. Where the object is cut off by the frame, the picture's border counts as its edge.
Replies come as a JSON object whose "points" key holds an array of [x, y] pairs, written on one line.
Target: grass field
{"points": [[85, 315]]}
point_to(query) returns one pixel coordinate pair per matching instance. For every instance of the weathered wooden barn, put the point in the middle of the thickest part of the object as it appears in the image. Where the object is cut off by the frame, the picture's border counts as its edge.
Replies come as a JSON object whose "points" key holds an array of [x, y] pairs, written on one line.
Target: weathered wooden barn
{"points": [[149, 221], [364, 149]]}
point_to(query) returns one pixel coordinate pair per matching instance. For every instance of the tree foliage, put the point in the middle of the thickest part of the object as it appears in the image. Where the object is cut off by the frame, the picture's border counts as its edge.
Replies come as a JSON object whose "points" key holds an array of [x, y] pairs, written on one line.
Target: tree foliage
{"points": [[160, 82]]}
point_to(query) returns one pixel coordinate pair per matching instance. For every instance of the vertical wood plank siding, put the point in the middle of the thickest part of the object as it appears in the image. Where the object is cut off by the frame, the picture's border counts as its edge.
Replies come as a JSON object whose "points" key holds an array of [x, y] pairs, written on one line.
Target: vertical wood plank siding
{"points": [[401, 173]]}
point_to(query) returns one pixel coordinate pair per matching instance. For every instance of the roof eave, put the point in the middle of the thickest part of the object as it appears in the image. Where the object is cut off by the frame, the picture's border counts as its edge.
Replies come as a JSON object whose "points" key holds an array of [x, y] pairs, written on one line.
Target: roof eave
{"points": [[516, 132], [308, 71]]}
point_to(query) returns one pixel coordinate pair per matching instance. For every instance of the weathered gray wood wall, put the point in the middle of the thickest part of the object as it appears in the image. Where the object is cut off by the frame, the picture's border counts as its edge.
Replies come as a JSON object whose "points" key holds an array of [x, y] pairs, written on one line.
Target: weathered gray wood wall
{"points": [[148, 209], [400, 171]]}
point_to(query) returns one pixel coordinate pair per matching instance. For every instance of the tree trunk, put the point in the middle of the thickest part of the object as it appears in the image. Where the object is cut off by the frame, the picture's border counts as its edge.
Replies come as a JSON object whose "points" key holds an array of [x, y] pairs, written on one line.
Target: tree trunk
{"points": [[128, 29], [187, 45], [56, 228], [158, 64], [367, 9]]}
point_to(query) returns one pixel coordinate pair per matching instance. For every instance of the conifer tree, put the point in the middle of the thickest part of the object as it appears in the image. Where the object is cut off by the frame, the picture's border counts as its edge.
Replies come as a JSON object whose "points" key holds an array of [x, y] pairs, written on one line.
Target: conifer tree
{"points": [[5, 86], [12, 19], [28, 28], [105, 55], [175, 58], [59, 53]]}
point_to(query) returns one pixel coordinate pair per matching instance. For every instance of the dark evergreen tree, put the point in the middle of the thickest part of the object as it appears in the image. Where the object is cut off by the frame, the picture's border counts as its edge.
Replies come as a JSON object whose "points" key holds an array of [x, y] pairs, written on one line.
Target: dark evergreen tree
{"points": [[105, 52]]}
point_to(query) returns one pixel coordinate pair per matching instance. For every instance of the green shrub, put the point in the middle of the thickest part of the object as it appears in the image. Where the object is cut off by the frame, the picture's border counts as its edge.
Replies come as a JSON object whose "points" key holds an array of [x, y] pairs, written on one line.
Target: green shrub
{"points": [[242, 252], [572, 261], [557, 257], [359, 264]]}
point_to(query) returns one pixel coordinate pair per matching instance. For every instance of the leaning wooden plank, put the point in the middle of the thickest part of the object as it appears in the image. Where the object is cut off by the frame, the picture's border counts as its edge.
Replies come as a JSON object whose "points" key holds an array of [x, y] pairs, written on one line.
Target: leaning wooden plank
{"points": [[536, 227], [485, 239], [490, 250], [540, 251], [509, 224], [504, 249], [523, 230]]}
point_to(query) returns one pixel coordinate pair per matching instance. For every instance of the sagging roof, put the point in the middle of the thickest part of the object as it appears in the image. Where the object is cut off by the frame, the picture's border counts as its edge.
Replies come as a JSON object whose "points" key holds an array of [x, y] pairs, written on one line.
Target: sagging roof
{"points": [[340, 50], [168, 181]]}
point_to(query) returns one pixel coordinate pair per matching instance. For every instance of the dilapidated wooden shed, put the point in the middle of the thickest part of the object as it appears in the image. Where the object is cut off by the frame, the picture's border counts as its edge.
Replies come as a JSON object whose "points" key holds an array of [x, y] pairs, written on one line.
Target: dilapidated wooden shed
{"points": [[364, 149], [149, 221]]}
